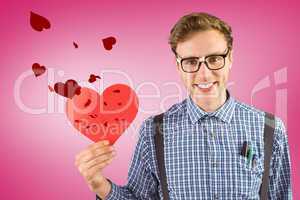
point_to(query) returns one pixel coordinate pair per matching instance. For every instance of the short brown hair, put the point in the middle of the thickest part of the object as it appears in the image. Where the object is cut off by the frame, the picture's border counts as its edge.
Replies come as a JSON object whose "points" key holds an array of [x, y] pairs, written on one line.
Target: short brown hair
{"points": [[195, 22]]}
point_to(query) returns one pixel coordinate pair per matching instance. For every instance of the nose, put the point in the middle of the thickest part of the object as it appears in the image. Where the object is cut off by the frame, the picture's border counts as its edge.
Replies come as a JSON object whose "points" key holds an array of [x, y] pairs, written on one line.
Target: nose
{"points": [[203, 71]]}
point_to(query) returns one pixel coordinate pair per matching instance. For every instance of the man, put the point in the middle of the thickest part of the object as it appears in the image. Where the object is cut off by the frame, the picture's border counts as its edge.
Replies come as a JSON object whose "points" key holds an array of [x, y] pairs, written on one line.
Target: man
{"points": [[203, 135]]}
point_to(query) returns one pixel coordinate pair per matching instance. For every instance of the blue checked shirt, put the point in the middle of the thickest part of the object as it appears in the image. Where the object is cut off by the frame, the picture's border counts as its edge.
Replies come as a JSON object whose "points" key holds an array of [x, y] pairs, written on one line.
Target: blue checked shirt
{"points": [[202, 156]]}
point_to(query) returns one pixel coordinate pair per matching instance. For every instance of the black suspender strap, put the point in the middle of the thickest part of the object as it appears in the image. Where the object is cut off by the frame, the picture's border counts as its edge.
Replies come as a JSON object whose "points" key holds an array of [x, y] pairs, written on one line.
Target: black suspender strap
{"points": [[268, 144], [159, 149]]}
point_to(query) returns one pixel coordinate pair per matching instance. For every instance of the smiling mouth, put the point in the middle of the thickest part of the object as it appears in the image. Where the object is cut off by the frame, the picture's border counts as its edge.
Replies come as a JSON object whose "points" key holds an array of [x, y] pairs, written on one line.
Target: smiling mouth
{"points": [[205, 86]]}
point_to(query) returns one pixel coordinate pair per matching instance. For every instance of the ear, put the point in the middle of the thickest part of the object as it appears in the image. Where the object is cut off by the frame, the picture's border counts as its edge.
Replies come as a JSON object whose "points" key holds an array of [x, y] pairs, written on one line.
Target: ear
{"points": [[177, 64], [230, 57]]}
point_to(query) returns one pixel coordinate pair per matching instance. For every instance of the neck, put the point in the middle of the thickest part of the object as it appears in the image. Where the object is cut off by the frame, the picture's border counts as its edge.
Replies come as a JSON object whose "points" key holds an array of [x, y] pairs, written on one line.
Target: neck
{"points": [[211, 104]]}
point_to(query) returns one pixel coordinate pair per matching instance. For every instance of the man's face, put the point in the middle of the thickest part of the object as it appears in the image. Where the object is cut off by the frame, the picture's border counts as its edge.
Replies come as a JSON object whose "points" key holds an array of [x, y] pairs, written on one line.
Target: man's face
{"points": [[205, 86]]}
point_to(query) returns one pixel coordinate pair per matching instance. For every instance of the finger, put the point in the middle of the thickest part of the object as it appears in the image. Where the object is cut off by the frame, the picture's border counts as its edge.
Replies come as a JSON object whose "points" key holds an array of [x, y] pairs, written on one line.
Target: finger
{"points": [[96, 145], [100, 159], [84, 167], [98, 152], [91, 148], [96, 169], [93, 153], [100, 143], [81, 169]]}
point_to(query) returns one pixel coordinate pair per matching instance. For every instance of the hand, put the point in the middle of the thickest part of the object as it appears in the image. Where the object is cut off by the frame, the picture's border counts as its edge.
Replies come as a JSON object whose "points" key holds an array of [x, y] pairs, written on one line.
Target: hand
{"points": [[90, 163]]}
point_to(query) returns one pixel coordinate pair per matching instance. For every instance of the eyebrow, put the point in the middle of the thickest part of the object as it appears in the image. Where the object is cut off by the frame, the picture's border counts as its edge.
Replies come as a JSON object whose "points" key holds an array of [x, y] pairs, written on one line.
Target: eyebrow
{"points": [[211, 54]]}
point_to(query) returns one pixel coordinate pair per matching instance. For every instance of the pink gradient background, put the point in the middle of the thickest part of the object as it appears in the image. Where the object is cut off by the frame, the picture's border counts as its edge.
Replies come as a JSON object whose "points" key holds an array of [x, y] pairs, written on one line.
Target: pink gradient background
{"points": [[38, 150]]}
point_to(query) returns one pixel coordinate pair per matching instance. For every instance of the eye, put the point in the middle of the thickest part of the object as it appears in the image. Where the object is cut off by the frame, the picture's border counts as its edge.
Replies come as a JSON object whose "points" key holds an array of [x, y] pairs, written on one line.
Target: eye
{"points": [[116, 91], [87, 103], [190, 61], [105, 124], [93, 115], [214, 59]]}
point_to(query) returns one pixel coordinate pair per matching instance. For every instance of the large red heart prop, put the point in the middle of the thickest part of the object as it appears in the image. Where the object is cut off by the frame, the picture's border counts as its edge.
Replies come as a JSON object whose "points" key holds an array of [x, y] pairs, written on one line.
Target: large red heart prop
{"points": [[103, 117]]}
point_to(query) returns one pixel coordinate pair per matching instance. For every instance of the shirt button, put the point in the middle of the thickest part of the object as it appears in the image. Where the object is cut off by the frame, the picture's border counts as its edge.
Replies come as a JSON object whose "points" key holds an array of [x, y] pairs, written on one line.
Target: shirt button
{"points": [[213, 135], [214, 164], [216, 196]]}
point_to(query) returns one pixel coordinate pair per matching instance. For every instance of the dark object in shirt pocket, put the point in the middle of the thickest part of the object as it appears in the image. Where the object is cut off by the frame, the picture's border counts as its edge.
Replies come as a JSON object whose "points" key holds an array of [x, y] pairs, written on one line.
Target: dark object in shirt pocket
{"points": [[256, 169]]}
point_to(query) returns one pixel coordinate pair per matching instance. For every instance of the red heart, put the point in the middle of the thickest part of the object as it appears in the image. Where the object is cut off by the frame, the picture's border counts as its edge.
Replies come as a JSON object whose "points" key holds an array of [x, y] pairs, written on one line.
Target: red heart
{"points": [[38, 70], [103, 117], [109, 42], [68, 89], [75, 45], [39, 22], [50, 88], [93, 78]]}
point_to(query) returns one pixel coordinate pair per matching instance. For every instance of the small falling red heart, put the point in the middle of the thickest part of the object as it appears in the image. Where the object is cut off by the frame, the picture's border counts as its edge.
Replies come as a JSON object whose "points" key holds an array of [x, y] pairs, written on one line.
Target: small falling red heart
{"points": [[75, 45], [39, 22], [93, 78], [67, 89], [50, 88], [38, 69], [109, 42]]}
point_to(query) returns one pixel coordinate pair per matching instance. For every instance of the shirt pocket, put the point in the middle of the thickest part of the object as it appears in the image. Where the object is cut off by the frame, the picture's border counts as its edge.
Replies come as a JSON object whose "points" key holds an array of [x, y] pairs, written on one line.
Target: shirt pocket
{"points": [[251, 177], [256, 169]]}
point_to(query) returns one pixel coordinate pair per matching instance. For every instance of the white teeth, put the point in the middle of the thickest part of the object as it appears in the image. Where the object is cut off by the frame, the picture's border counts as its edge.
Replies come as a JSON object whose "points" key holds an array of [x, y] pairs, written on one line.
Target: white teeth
{"points": [[205, 85]]}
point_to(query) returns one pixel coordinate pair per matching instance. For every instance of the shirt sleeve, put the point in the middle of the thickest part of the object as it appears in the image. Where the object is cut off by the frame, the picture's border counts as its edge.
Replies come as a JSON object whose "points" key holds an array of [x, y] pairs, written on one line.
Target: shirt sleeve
{"points": [[142, 183], [280, 170]]}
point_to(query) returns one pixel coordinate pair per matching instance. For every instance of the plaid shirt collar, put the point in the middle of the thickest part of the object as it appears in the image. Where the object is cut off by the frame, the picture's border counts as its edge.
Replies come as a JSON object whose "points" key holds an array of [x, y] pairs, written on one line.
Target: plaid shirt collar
{"points": [[224, 113]]}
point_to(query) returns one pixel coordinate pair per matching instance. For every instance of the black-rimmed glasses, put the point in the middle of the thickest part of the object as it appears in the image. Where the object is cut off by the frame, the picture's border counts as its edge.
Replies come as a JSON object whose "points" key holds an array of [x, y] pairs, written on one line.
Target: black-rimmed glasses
{"points": [[212, 62]]}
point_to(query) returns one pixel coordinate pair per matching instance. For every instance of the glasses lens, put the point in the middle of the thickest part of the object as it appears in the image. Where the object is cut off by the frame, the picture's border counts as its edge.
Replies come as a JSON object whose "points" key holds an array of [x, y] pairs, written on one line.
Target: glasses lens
{"points": [[215, 62], [190, 64]]}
